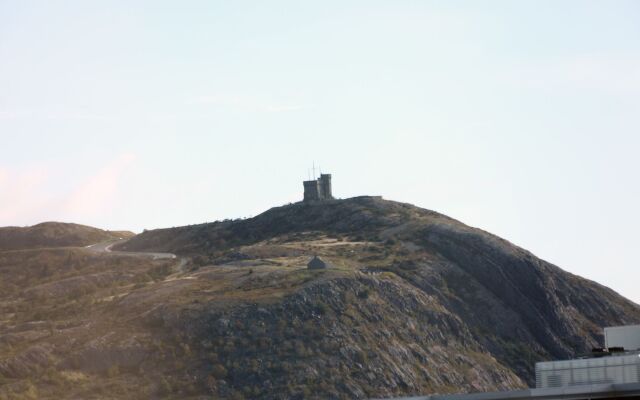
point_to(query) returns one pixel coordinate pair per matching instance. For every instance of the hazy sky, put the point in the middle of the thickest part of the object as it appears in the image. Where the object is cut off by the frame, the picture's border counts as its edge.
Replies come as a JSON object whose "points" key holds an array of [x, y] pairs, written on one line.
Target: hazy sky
{"points": [[518, 117]]}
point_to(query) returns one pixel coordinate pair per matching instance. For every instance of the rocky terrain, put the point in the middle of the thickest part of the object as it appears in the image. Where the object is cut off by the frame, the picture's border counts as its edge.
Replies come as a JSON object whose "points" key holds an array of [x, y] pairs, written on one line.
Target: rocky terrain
{"points": [[54, 234], [416, 303]]}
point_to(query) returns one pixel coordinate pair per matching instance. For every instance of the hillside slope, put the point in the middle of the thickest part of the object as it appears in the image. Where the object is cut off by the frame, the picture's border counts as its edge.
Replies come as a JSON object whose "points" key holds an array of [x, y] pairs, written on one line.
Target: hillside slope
{"points": [[520, 308], [54, 234], [417, 303]]}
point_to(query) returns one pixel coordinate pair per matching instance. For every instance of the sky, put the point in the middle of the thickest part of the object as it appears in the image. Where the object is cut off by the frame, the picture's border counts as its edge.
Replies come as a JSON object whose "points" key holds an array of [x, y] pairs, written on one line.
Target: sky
{"points": [[518, 117]]}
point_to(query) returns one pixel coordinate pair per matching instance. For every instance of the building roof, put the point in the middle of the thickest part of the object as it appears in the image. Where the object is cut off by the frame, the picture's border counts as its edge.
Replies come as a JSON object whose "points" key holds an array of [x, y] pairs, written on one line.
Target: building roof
{"points": [[318, 263], [604, 391]]}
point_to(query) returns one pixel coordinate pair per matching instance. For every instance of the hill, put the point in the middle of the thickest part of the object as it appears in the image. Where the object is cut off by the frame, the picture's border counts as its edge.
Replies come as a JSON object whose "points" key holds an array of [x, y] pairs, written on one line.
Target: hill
{"points": [[54, 234], [417, 303], [516, 304]]}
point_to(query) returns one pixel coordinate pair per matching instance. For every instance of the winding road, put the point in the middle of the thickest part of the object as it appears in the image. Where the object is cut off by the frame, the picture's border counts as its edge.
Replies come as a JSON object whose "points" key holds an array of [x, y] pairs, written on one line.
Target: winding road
{"points": [[105, 247]]}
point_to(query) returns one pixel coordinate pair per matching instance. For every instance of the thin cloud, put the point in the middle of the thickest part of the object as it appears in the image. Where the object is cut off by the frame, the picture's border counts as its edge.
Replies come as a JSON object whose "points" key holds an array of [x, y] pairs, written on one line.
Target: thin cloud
{"points": [[22, 196], [5, 115], [74, 115], [99, 191], [608, 73], [29, 196], [55, 115], [278, 109], [244, 103], [225, 100]]}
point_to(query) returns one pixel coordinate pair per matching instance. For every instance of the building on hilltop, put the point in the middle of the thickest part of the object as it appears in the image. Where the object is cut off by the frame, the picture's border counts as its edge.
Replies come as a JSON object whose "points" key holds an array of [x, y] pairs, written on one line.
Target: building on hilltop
{"points": [[318, 189], [318, 263]]}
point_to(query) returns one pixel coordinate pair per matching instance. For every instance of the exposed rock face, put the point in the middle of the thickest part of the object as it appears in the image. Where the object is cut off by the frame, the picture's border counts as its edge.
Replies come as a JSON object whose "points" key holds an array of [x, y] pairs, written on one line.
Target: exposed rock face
{"points": [[353, 338]]}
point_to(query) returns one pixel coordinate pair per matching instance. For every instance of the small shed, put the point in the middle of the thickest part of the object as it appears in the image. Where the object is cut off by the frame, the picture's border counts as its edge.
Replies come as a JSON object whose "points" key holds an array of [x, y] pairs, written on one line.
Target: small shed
{"points": [[318, 263]]}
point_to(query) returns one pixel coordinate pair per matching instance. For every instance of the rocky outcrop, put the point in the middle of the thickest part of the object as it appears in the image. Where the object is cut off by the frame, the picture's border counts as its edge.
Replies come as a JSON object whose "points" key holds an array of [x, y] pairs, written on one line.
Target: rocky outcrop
{"points": [[359, 337]]}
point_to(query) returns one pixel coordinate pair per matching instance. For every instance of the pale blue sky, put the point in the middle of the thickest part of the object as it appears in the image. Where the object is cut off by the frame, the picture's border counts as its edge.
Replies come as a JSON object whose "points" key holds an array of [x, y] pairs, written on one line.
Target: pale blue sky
{"points": [[519, 117]]}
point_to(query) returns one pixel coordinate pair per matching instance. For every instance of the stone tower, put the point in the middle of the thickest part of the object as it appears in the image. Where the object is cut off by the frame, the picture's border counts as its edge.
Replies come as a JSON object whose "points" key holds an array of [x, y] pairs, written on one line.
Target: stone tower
{"points": [[325, 187], [311, 190], [318, 189]]}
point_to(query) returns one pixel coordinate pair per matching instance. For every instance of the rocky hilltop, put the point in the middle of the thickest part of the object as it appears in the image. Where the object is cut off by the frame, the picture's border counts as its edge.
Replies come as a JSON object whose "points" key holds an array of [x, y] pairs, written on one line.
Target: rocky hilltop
{"points": [[54, 234], [416, 303]]}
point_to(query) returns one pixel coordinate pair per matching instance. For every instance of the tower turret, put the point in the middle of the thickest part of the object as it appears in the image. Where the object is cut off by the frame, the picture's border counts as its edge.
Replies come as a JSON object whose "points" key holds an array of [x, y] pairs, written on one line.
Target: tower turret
{"points": [[311, 190], [325, 187]]}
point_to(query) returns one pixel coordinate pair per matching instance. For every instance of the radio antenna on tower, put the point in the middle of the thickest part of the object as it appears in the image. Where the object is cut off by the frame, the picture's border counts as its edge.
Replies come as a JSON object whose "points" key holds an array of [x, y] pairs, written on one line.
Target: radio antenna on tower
{"points": [[314, 170]]}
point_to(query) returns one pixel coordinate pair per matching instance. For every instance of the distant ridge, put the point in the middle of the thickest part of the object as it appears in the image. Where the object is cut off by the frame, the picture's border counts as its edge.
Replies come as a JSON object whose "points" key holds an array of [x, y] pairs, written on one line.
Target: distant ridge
{"points": [[54, 234]]}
